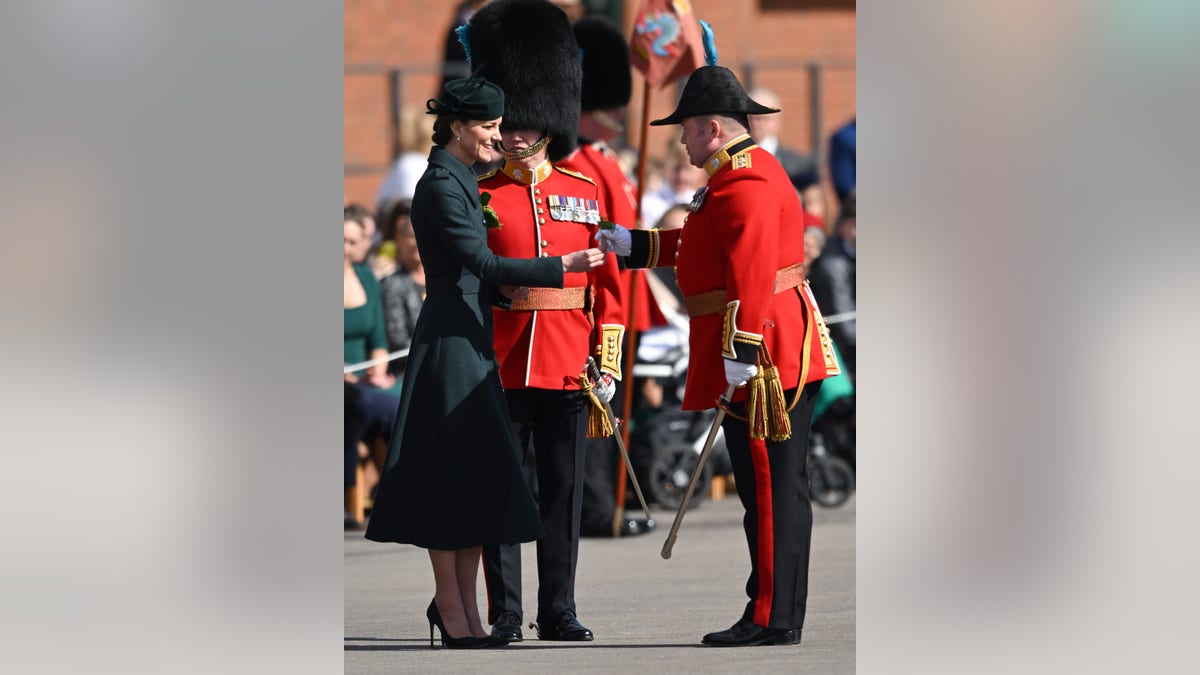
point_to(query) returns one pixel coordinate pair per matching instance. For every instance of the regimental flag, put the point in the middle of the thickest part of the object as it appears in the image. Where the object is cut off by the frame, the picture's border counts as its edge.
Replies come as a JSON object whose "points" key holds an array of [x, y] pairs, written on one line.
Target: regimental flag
{"points": [[666, 42]]}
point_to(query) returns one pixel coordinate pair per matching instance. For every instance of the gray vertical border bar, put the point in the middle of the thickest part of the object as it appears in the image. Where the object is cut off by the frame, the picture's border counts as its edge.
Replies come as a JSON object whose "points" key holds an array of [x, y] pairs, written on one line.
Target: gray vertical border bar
{"points": [[174, 169]]}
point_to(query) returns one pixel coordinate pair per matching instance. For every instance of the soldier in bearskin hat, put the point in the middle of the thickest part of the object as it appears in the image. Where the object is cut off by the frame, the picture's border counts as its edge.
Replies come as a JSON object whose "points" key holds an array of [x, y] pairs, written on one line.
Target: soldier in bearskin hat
{"points": [[754, 326], [607, 84], [543, 337]]}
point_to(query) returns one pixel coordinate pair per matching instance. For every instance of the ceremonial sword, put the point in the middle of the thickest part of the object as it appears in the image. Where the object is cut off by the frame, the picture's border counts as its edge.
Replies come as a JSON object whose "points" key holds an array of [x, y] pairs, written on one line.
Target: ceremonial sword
{"points": [[595, 373], [687, 497]]}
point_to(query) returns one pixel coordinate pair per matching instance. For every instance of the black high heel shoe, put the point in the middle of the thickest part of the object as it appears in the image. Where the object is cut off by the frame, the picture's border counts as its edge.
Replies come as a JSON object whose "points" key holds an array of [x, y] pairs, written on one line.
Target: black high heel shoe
{"points": [[468, 642]]}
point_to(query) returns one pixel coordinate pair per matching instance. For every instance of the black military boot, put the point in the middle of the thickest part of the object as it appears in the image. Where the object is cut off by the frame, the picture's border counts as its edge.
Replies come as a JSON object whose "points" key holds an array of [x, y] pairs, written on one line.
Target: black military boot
{"points": [[507, 627], [565, 627], [747, 634]]}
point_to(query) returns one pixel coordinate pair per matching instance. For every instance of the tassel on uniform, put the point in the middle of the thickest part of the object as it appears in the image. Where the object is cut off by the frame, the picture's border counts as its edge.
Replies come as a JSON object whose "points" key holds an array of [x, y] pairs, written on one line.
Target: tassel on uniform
{"points": [[598, 424], [756, 404], [779, 427], [766, 408]]}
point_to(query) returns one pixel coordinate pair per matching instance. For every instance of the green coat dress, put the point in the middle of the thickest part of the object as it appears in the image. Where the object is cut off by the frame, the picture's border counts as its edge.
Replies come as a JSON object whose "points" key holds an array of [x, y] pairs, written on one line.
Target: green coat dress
{"points": [[452, 478]]}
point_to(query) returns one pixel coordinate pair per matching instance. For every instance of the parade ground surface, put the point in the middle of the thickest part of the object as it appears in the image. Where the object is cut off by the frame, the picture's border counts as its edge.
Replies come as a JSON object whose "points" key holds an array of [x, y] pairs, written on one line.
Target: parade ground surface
{"points": [[648, 614]]}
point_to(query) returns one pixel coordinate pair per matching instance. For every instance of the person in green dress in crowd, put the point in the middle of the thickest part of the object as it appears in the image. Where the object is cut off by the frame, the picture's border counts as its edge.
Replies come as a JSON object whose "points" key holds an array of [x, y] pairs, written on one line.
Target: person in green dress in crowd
{"points": [[370, 395], [452, 480]]}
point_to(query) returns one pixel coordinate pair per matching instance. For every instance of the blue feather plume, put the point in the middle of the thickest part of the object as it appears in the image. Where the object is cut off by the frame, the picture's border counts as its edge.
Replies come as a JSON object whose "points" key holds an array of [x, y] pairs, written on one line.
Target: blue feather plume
{"points": [[710, 45], [463, 40]]}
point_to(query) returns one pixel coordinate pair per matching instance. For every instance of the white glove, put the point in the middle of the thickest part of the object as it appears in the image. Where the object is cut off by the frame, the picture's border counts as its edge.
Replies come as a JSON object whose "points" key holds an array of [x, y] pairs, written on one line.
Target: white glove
{"points": [[737, 373], [617, 240], [604, 387]]}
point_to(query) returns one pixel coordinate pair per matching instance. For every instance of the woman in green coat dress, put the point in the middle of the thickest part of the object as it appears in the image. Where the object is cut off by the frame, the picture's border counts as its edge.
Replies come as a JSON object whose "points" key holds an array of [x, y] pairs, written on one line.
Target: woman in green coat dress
{"points": [[452, 481]]}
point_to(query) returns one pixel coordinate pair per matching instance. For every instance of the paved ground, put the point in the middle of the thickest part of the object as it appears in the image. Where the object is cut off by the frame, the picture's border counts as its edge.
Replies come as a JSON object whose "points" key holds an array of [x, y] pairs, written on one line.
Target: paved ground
{"points": [[646, 612]]}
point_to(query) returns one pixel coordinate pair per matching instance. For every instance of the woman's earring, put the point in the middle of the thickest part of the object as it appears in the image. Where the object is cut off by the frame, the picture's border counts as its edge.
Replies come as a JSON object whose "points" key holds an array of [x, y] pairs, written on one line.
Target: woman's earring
{"points": [[458, 138]]}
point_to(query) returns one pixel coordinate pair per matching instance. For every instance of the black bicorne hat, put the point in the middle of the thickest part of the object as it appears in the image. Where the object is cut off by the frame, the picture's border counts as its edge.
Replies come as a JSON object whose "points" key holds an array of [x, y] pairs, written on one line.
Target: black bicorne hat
{"points": [[607, 80], [713, 89], [527, 47]]}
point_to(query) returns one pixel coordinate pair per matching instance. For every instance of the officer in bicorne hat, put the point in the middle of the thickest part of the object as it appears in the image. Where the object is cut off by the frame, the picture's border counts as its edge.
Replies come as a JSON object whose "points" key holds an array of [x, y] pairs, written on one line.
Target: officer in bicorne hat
{"points": [[754, 325], [544, 337]]}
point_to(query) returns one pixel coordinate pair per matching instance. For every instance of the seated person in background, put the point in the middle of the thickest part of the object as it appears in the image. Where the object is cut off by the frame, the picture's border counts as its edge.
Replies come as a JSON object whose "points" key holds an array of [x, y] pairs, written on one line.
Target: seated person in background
{"points": [[364, 253], [801, 168], [814, 241], [403, 290], [672, 219], [416, 139], [832, 280], [843, 150], [680, 185], [370, 406]]}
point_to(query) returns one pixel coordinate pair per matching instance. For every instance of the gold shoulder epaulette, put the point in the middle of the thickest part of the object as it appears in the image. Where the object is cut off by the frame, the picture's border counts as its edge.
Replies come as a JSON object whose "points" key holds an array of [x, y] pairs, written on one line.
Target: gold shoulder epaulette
{"points": [[484, 176], [575, 174]]}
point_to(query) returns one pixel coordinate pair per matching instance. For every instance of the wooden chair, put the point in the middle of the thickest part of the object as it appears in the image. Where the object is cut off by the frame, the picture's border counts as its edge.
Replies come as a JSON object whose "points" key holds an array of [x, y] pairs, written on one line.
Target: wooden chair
{"points": [[366, 477]]}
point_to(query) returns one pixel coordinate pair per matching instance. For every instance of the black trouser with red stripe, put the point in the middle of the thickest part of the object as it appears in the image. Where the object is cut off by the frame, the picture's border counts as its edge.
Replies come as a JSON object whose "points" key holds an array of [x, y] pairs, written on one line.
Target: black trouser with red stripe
{"points": [[550, 426], [772, 482]]}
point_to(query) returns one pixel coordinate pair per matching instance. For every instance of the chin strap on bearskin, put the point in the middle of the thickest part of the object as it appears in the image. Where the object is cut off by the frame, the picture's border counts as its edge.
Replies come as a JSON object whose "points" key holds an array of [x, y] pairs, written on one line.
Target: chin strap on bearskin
{"points": [[527, 152]]}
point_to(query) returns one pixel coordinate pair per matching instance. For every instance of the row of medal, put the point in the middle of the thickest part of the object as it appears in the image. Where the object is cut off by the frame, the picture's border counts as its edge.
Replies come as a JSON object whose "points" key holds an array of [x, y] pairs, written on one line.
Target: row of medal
{"points": [[574, 209]]}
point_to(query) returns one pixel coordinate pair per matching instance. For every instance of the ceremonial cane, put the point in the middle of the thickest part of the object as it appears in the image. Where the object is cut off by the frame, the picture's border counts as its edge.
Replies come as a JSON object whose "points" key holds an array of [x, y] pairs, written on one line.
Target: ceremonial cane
{"points": [[687, 497], [595, 373]]}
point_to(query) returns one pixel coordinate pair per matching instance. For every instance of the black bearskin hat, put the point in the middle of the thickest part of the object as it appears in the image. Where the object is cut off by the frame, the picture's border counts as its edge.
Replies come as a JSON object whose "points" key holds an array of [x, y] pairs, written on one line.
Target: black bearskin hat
{"points": [[527, 47], [607, 82]]}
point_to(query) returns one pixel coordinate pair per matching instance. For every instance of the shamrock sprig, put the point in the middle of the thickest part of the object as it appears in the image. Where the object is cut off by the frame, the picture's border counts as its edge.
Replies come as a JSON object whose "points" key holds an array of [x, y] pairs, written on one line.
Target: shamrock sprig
{"points": [[490, 218]]}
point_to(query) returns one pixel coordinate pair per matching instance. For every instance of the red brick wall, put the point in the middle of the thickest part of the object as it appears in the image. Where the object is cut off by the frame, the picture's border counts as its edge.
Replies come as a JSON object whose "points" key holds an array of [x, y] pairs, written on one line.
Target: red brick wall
{"points": [[379, 35], [777, 38]]}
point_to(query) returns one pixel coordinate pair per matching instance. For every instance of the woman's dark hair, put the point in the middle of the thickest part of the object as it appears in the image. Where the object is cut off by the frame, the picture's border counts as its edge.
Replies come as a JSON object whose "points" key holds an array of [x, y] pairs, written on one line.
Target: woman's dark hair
{"points": [[441, 128]]}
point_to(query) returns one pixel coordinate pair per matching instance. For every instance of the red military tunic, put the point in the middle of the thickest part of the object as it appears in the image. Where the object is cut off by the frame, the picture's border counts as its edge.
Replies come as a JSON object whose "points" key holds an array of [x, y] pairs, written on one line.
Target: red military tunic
{"points": [[741, 233], [598, 161], [549, 212]]}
